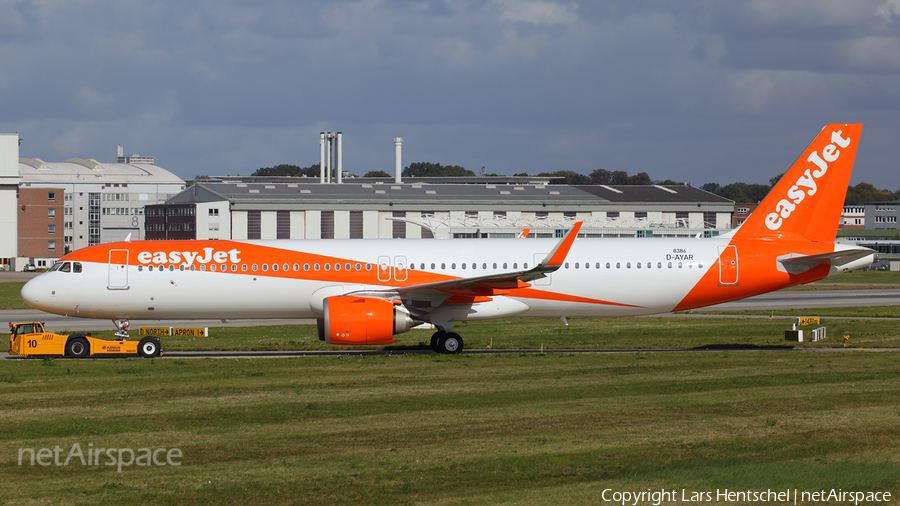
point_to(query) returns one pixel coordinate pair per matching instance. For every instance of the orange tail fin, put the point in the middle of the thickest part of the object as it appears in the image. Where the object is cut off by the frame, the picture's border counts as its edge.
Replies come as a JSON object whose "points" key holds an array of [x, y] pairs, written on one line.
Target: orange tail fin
{"points": [[808, 200]]}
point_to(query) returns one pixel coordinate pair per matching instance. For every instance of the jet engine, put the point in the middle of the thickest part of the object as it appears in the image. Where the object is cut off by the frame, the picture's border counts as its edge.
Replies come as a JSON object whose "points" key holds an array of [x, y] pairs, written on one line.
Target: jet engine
{"points": [[362, 320]]}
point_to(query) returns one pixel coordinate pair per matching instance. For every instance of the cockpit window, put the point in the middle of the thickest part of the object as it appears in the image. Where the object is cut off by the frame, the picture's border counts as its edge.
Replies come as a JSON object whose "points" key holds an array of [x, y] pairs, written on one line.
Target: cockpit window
{"points": [[76, 266], [66, 267], [55, 267]]}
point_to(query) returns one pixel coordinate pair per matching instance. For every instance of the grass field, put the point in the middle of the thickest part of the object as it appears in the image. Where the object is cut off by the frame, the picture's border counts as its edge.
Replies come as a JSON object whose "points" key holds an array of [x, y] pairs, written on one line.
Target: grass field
{"points": [[435, 429]]}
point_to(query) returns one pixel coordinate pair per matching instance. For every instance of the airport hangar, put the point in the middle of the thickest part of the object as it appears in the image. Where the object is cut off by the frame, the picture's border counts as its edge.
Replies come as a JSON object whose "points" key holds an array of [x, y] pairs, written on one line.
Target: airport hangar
{"points": [[242, 208]]}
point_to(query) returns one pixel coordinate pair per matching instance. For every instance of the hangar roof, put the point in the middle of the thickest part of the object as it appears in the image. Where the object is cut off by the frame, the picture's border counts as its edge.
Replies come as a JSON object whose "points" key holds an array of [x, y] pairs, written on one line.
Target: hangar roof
{"points": [[236, 192], [81, 170]]}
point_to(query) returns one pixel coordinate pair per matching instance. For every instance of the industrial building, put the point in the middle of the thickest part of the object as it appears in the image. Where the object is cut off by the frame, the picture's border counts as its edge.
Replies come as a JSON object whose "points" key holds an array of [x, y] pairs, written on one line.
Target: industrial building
{"points": [[297, 208], [80, 202]]}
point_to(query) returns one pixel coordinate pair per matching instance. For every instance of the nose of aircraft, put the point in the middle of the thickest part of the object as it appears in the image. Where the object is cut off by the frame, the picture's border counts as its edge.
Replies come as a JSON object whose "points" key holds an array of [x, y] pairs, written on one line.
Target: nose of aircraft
{"points": [[35, 291]]}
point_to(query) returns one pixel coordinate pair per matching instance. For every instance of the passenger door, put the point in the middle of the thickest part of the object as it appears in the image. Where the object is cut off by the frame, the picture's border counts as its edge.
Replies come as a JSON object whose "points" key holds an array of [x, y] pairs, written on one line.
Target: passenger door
{"points": [[118, 269], [728, 265]]}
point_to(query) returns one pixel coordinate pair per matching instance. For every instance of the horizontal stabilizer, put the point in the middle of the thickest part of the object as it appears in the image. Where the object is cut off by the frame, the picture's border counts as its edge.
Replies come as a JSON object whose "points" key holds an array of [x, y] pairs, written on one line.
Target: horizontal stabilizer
{"points": [[842, 259]]}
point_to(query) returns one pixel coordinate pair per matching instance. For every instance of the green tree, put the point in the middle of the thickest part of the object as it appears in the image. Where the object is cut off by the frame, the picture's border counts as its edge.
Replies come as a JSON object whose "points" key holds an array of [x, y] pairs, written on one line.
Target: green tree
{"points": [[743, 192], [641, 178], [618, 177], [865, 192], [600, 176], [288, 171], [428, 169], [377, 173]]}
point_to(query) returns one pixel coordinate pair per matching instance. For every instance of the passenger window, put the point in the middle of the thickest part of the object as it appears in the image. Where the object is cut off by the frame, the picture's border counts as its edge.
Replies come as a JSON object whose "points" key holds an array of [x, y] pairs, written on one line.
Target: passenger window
{"points": [[337, 267], [638, 265], [659, 265], [171, 268], [327, 267], [567, 265], [202, 268], [315, 267], [463, 265], [140, 268], [525, 265], [244, 267], [305, 267], [443, 267], [679, 265], [181, 267], [346, 267], [368, 267], [618, 265], [504, 265], [670, 265], [607, 265], [597, 265], [296, 267], [274, 267], [628, 265], [358, 266], [193, 267], [576, 265], [254, 267], [432, 266], [453, 266], [699, 265], [233, 267], [266, 267]]}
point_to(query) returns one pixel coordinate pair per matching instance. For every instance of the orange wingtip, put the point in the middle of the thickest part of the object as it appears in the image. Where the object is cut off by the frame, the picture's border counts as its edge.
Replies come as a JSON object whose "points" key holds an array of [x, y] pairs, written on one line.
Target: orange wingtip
{"points": [[558, 255]]}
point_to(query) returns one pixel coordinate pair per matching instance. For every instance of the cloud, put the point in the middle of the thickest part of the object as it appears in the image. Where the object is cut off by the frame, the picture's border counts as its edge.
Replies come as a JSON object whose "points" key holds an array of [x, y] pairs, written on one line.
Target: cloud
{"points": [[536, 12], [697, 90]]}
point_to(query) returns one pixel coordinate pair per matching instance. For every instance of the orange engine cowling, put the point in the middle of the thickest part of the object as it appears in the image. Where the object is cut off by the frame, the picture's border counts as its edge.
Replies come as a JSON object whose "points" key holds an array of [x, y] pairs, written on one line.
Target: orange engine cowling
{"points": [[362, 320]]}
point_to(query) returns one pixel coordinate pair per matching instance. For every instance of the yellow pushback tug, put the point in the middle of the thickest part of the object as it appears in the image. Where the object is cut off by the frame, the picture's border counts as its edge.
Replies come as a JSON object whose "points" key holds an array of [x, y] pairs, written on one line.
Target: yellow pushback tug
{"points": [[27, 339]]}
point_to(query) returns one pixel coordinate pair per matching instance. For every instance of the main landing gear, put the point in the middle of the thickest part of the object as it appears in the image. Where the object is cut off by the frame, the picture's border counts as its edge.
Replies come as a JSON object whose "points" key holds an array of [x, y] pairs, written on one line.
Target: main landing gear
{"points": [[446, 342]]}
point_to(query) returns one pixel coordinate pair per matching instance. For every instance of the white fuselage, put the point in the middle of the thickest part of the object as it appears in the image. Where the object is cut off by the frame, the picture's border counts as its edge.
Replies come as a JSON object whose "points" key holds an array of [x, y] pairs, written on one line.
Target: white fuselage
{"points": [[600, 277]]}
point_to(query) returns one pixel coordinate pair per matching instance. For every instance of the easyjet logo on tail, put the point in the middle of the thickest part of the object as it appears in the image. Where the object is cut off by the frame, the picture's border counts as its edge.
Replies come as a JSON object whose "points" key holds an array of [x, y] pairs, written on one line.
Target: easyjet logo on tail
{"points": [[806, 183], [188, 257]]}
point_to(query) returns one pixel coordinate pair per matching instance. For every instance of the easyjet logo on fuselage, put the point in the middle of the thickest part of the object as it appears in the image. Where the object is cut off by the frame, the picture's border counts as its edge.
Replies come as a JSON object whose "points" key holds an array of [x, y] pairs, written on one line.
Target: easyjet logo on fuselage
{"points": [[188, 257], [806, 183]]}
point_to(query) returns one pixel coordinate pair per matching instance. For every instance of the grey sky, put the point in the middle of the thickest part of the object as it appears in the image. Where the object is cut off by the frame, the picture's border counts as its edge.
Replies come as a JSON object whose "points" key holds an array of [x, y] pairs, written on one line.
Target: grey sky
{"points": [[694, 90]]}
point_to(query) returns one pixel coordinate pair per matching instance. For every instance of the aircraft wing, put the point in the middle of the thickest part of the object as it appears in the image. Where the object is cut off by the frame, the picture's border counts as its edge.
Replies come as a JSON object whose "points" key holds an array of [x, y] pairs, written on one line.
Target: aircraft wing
{"points": [[493, 284]]}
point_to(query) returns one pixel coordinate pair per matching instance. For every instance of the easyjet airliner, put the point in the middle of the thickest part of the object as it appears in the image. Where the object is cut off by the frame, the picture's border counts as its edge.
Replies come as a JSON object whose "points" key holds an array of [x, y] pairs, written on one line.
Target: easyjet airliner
{"points": [[366, 292]]}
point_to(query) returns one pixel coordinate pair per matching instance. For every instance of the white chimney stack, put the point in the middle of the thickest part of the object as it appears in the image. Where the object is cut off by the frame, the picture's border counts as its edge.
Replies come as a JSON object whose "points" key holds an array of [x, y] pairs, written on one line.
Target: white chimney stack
{"points": [[398, 165], [322, 158], [338, 163]]}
